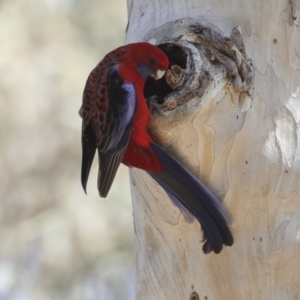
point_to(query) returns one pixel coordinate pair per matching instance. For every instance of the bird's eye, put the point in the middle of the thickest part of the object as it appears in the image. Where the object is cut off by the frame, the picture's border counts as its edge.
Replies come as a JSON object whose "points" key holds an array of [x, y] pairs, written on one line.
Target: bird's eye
{"points": [[152, 61]]}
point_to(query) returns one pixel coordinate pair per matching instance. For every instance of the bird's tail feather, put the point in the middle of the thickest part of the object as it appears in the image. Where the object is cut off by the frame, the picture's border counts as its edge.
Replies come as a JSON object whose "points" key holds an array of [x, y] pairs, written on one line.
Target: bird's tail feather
{"points": [[88, 153], [183, 188]]}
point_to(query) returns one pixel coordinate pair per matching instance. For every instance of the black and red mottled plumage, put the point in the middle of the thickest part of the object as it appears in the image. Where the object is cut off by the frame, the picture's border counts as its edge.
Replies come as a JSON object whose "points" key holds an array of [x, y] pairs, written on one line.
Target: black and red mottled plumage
{"points": [[115, 117]]}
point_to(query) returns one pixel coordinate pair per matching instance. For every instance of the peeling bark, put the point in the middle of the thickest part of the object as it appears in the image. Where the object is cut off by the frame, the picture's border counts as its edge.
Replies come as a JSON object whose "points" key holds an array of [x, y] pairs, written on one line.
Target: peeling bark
{"points": [[242, 143]]}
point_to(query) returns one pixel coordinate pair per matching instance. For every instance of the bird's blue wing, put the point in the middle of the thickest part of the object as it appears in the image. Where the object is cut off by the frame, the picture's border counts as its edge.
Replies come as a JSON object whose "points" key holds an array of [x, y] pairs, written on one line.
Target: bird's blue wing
{"points": [[119, 116], [111, 116]]}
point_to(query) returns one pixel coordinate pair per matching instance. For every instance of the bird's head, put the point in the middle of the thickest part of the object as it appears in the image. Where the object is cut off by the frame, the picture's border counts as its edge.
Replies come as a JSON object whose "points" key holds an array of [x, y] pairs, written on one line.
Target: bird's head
{"points": [[149, 60]]}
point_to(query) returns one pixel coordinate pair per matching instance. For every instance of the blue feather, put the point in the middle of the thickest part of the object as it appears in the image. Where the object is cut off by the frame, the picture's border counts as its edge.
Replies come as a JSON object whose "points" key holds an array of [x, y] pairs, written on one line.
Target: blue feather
{"points": [[115, 131], [184, 189]]}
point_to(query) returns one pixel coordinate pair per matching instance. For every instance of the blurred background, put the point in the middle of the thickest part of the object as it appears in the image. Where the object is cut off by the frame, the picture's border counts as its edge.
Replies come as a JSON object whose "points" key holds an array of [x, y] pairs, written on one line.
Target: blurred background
{"points": [[56, 242]]}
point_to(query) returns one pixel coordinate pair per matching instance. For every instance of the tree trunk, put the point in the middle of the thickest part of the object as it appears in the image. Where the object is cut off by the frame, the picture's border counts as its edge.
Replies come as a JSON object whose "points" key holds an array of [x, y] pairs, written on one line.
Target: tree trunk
{"points": [[245, 149]]}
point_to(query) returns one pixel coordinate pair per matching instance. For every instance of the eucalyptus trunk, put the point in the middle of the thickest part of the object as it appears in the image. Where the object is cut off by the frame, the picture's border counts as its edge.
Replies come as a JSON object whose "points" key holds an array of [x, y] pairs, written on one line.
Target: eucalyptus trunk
{"points": [[241, 141]]}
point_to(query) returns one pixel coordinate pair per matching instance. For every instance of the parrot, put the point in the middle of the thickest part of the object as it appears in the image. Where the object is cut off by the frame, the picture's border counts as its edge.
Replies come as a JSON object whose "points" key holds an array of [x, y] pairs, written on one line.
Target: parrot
{"points": [[115, 119]]}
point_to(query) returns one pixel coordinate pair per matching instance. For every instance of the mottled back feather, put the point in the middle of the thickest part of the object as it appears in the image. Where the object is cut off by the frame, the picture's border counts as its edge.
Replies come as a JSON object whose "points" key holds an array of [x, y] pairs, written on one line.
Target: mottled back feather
{"points": [[107, 112]]}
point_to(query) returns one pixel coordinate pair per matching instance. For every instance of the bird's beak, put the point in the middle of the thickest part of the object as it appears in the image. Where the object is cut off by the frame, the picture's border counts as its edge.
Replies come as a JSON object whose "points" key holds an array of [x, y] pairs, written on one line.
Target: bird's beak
{"points": [[158, 74]]}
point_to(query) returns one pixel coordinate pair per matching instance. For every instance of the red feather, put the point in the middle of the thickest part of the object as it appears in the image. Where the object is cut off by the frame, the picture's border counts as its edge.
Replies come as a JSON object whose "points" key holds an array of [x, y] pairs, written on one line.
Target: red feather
{"points": [[115, 120]]}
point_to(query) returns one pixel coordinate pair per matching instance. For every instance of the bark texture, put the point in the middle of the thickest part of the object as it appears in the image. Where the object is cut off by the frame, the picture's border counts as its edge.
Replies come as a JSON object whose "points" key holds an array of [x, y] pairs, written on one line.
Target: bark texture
{"points": [[245, 149]]}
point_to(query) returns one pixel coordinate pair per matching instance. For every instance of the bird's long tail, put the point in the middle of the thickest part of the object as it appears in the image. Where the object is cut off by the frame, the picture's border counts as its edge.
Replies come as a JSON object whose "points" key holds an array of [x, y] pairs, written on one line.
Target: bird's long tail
{"points": [[192, 196]]}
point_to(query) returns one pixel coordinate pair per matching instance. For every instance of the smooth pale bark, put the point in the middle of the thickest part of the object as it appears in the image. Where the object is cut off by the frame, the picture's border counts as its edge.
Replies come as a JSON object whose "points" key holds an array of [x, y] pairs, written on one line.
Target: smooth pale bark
{"points": [[248, 154]]}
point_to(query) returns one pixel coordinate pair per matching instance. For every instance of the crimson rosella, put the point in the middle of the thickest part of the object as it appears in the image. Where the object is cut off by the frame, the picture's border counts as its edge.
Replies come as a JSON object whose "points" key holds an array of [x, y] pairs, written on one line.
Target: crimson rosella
{"points": [[115, 119]]}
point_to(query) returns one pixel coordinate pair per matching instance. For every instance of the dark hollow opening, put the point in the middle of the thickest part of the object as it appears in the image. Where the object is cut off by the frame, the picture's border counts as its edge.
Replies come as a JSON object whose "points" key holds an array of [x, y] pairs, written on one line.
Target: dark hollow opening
{"points": [[157, 90]]}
